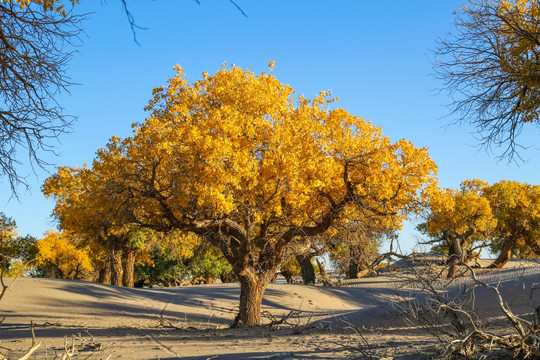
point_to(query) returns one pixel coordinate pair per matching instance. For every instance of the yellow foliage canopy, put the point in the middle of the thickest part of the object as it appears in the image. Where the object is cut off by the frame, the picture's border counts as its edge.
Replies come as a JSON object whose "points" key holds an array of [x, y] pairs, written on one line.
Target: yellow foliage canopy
{"points": [[517, 209], [239, 145], [465, 213]]}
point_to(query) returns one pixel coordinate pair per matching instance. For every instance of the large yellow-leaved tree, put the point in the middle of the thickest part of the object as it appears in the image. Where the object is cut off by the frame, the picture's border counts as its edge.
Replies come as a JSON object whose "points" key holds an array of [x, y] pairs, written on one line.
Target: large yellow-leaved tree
{"points": [[238, 160]]}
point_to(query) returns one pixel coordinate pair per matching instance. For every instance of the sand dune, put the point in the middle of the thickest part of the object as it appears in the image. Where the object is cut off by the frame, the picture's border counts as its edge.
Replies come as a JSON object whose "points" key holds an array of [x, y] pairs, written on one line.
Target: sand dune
{"points": [[192, 322]]}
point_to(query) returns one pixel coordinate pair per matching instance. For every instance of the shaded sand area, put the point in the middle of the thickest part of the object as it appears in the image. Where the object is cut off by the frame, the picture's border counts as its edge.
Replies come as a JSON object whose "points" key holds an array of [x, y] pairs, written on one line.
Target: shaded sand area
{"points": [[358, 319]]}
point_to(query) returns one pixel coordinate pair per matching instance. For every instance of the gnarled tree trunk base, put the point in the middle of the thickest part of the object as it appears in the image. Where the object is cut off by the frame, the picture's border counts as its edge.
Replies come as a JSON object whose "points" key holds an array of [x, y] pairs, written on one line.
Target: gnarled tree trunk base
{"points": [[504, 256], [251, 295]]}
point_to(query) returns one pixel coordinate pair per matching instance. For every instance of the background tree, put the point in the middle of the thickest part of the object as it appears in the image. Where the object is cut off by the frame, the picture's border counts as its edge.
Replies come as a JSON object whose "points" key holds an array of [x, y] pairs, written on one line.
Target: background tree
{"points": [[235, 159], [175, 258], [20, 253], [354, 245], [291, 268], [16, 252], [80, 210], [490, 66], [208, 265], [458, 220], [305, 262], [161, 267], [8, 233], [84, 208], [516, 206], [60, 257], [36, 41]]}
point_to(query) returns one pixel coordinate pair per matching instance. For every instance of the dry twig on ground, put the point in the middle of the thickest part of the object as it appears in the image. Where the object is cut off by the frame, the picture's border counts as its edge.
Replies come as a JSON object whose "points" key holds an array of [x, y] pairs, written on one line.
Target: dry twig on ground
{"points": [[285, 319], [449, 316]]}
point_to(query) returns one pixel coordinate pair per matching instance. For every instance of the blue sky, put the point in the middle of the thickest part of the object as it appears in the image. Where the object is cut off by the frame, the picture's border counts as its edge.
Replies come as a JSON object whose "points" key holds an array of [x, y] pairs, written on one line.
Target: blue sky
{"points": [[375, 56]]}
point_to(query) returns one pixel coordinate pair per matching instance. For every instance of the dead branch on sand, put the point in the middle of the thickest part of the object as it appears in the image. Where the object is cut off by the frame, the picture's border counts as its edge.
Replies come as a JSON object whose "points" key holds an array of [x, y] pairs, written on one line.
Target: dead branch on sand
{"points": [[35, 346], [450, 317], [80, 345], [291, 320], [363, 347], [293, 314]]}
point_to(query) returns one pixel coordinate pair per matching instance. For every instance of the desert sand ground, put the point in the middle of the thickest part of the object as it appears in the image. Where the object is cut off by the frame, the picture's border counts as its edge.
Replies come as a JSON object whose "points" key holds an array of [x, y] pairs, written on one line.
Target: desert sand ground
{"points": [[360, 319]]}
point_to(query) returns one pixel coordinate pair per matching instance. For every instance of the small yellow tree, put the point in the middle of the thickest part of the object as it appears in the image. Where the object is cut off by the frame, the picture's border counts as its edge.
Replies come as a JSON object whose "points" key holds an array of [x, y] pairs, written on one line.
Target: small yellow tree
{"points": [[59, 256]]}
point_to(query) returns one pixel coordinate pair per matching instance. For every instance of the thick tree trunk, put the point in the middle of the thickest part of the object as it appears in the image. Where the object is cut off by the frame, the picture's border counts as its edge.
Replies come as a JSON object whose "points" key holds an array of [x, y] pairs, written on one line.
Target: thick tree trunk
{"points": [[251, 294], [116, 267], [104, 276], [128, 267], [455, 255], [308, 272], [505, 255], [352, 272]]}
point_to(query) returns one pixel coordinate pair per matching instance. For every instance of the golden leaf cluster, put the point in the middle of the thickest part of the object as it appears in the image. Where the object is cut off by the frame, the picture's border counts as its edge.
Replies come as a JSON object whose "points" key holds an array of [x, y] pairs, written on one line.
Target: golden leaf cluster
{"points": [[239, 144]]}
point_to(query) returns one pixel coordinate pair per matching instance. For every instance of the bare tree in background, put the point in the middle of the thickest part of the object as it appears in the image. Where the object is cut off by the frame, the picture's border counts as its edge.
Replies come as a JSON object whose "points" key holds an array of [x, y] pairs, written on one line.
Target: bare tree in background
{"points": [[491, 67], [36, 45], [35, 48]]}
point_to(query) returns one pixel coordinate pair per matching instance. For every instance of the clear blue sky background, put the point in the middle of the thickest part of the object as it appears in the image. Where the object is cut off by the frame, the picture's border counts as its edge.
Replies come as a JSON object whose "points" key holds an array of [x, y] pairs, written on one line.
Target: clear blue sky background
{"points": [[373, 55]]}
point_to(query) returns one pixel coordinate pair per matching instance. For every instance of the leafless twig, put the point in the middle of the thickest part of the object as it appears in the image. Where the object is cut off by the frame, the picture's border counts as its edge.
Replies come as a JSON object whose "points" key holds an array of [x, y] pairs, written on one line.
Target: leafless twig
{"points": [[468, 335]]}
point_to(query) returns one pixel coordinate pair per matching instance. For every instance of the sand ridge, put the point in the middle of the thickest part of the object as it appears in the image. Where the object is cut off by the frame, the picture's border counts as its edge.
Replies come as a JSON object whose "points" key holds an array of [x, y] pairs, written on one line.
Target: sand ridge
{"points": [[192, 322]]}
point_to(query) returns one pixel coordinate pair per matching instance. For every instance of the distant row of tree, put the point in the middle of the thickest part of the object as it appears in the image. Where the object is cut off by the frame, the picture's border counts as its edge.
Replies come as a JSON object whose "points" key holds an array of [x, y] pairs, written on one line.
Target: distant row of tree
{"points": [[69, 256], [168, 262], [505, 217]]}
